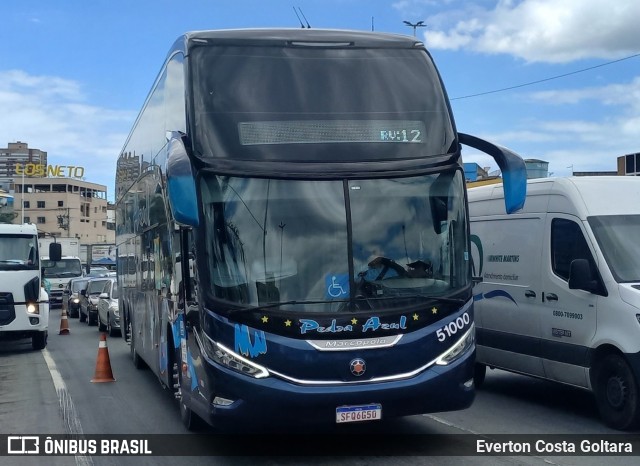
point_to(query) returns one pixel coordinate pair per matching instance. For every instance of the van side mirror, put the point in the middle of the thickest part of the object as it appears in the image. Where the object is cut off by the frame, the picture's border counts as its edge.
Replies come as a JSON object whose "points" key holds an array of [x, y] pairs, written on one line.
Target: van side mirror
{"points": [[580, 276], [55, 252]]}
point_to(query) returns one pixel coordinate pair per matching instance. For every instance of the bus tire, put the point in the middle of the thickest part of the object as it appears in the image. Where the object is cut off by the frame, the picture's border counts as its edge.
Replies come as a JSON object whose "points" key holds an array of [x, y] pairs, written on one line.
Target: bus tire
{"points": [[479, 373], [616, 392], [138, 363], [190, 420], [39, 340]]}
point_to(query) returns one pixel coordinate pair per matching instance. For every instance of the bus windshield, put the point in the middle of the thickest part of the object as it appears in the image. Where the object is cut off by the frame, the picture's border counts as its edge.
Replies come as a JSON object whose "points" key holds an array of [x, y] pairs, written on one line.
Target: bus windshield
{"points": [[324, 243], [318, 104]]}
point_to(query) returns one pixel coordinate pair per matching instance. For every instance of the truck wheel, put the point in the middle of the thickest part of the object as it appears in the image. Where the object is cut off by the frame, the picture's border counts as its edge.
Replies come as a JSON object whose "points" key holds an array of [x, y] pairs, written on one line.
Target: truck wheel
{"points": [[39, 340], [479, 373], [616, 392]]}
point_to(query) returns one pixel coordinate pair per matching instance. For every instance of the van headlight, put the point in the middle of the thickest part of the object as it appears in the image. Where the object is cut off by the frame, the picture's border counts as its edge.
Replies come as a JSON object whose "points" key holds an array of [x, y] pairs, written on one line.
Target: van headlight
{"points": [[462, 346], [225, 357], [33, 308]]}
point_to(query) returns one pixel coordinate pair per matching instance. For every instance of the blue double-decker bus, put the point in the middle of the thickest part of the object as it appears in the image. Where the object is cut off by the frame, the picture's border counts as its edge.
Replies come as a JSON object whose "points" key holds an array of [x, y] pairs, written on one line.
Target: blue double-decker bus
{"points": [[292, 229]]}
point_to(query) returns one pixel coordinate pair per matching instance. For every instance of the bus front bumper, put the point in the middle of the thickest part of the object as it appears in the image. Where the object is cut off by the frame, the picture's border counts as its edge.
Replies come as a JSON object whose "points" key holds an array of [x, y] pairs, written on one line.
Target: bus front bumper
{"points": [[275, 401]]}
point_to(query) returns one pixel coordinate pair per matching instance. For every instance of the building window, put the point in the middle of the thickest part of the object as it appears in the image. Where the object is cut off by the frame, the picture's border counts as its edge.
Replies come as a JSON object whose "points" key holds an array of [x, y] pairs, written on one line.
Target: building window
{"points": [[42, 220], [60, 203], [95, 210], [41, 204], [26, 204], [27, 220], [94, 224]]}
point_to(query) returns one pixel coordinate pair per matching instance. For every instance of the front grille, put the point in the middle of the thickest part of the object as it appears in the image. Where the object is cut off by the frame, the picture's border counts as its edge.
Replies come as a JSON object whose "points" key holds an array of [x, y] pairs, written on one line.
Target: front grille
{"points": [[7, 309]]}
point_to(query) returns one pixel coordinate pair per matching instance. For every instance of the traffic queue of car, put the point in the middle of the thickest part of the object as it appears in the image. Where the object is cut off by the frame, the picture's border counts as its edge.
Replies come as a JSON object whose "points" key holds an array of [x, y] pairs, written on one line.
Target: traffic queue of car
{"points": [[94, 300]]}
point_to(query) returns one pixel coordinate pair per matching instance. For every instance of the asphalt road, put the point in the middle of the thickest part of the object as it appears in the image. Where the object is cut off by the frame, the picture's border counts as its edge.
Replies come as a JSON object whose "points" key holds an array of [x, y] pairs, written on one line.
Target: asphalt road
{"points": [[51, 392]]}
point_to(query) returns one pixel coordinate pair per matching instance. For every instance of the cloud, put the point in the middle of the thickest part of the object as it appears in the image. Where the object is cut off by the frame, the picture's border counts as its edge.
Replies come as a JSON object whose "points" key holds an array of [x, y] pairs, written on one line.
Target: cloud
{"points": [[553, 31], [602, 123], [51, 114]]}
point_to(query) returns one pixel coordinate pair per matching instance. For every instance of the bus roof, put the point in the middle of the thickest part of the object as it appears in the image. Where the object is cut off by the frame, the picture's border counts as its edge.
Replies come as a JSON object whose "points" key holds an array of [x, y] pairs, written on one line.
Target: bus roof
{"points": [[302, 37]]}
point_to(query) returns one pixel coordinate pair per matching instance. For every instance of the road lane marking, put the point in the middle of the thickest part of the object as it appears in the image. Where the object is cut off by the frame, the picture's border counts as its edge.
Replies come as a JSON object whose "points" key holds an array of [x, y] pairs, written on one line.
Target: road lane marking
{"points": [[67, 407]]}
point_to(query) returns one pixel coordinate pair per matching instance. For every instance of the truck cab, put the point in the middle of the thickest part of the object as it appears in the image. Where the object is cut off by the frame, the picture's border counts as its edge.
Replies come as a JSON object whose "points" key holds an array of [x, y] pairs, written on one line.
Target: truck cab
{"points": [[24, 303]]}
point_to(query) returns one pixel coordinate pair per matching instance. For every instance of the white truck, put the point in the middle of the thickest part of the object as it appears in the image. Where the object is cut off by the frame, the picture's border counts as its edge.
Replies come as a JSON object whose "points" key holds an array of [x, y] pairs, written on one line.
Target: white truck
{"points": [[560, 292], [24, 306], [59, 273]]}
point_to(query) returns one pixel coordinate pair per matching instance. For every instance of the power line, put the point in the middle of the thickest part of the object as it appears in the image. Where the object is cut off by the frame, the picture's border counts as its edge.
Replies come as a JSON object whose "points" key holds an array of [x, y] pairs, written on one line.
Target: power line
{"points": [[546, 79]]}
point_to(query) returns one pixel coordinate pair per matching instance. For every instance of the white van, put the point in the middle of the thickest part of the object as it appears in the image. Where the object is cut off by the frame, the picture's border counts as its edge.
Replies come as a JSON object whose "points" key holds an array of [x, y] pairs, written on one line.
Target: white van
{"points": [[560, 292]]}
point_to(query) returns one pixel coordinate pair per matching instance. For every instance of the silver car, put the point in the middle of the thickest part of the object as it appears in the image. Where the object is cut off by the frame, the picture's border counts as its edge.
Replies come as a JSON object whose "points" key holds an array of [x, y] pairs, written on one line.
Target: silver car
{"points": [[108, 313]]}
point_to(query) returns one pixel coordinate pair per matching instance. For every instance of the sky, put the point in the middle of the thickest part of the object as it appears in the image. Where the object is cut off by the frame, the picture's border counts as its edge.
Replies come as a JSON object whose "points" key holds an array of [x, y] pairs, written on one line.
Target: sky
{"points": [[555, 80]]}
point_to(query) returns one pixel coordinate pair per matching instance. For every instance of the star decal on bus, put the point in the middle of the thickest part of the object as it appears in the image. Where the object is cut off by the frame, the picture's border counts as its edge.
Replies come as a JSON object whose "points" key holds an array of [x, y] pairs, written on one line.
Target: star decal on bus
{"points": [[416, 316], [264, 319], [287, 323]]}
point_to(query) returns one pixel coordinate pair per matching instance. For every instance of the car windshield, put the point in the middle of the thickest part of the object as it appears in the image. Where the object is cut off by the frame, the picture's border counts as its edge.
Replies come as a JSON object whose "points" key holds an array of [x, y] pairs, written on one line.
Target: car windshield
{"points": [[617, 236], [270, 241], [78, 285], [18, 252], [96, 286]]}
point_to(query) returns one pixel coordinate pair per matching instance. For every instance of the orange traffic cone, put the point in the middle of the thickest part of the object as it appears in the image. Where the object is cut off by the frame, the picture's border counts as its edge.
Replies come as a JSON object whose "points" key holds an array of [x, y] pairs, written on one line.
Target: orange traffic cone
{"points": [[103, 365], [64, 323]]}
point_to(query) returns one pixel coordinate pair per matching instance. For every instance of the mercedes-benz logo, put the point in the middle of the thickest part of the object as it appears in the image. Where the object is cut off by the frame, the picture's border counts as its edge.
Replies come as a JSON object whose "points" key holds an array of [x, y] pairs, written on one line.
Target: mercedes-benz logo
{"points": [[358, 367]]}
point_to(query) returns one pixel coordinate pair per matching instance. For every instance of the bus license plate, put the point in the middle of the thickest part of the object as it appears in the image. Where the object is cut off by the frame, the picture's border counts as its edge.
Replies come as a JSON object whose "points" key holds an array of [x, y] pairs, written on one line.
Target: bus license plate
{"points": [[372, 412]]}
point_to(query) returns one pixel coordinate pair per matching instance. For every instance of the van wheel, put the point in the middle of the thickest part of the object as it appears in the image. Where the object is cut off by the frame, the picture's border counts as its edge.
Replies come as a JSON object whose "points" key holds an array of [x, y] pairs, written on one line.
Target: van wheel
{"points": [[616, 392], [479, 373]]}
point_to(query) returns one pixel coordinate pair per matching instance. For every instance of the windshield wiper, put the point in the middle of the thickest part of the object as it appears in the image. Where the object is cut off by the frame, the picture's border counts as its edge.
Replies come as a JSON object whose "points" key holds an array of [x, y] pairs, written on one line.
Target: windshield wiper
{"points": [[413, 296], [357, 298], [284, 303]]}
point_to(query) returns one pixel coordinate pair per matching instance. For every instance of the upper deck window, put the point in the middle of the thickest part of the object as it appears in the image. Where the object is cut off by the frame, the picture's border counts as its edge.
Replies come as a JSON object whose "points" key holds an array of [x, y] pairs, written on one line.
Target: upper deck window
{"points": [[324, 104]]}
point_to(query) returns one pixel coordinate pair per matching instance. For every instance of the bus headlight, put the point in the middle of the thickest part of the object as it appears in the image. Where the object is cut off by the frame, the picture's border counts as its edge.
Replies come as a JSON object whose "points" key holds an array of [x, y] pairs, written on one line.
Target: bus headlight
{"points": [[224, 356], [33, 308], [464, 344]]}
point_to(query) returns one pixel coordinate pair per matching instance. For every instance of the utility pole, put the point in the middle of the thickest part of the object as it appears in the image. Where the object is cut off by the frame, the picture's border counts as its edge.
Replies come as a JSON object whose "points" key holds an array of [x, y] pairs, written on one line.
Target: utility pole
{"points": [[419, 24]]}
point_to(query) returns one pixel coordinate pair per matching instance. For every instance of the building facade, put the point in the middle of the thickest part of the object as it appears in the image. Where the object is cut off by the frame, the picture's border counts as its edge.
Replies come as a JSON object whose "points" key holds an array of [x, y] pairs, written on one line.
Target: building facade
{"points": [[14, 158], [65, 207]]}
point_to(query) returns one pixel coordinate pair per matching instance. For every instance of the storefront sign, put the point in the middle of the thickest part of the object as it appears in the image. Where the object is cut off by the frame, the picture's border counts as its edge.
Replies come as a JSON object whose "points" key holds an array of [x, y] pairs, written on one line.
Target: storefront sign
{"points": [[60, 171]]}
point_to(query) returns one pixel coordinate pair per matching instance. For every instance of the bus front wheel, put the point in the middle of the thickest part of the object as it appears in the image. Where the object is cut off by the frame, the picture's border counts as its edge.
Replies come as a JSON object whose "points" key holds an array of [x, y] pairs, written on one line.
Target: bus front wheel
{"points": [[616, 392], [479, 373], [189, 419]]}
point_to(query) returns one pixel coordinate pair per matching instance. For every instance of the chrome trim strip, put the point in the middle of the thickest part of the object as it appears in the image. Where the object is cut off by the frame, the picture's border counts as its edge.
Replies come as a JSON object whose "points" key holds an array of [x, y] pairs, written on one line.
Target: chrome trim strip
{"points": [[355, 344], [388, 378]]}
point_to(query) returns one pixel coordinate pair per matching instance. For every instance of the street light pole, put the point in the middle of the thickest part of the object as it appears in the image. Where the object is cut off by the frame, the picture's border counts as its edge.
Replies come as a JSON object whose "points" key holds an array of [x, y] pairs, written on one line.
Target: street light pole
{"points": [[419, 24]]}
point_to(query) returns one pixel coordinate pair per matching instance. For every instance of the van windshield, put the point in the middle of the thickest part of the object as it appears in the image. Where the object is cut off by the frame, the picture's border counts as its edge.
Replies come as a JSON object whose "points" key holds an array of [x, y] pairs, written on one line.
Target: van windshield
{"points": [[617, 236]]}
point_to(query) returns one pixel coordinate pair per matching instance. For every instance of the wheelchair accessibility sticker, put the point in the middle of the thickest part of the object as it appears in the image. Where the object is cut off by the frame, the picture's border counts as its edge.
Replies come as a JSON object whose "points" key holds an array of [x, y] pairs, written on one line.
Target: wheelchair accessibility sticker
{"points": [[337, 286]]}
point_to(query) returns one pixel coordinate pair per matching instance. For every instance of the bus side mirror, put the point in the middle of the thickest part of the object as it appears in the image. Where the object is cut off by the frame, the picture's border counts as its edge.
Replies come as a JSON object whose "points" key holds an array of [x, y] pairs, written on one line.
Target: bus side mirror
{"points": [[55, 252], [192, 316], [181, 185], [514, 170]]}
